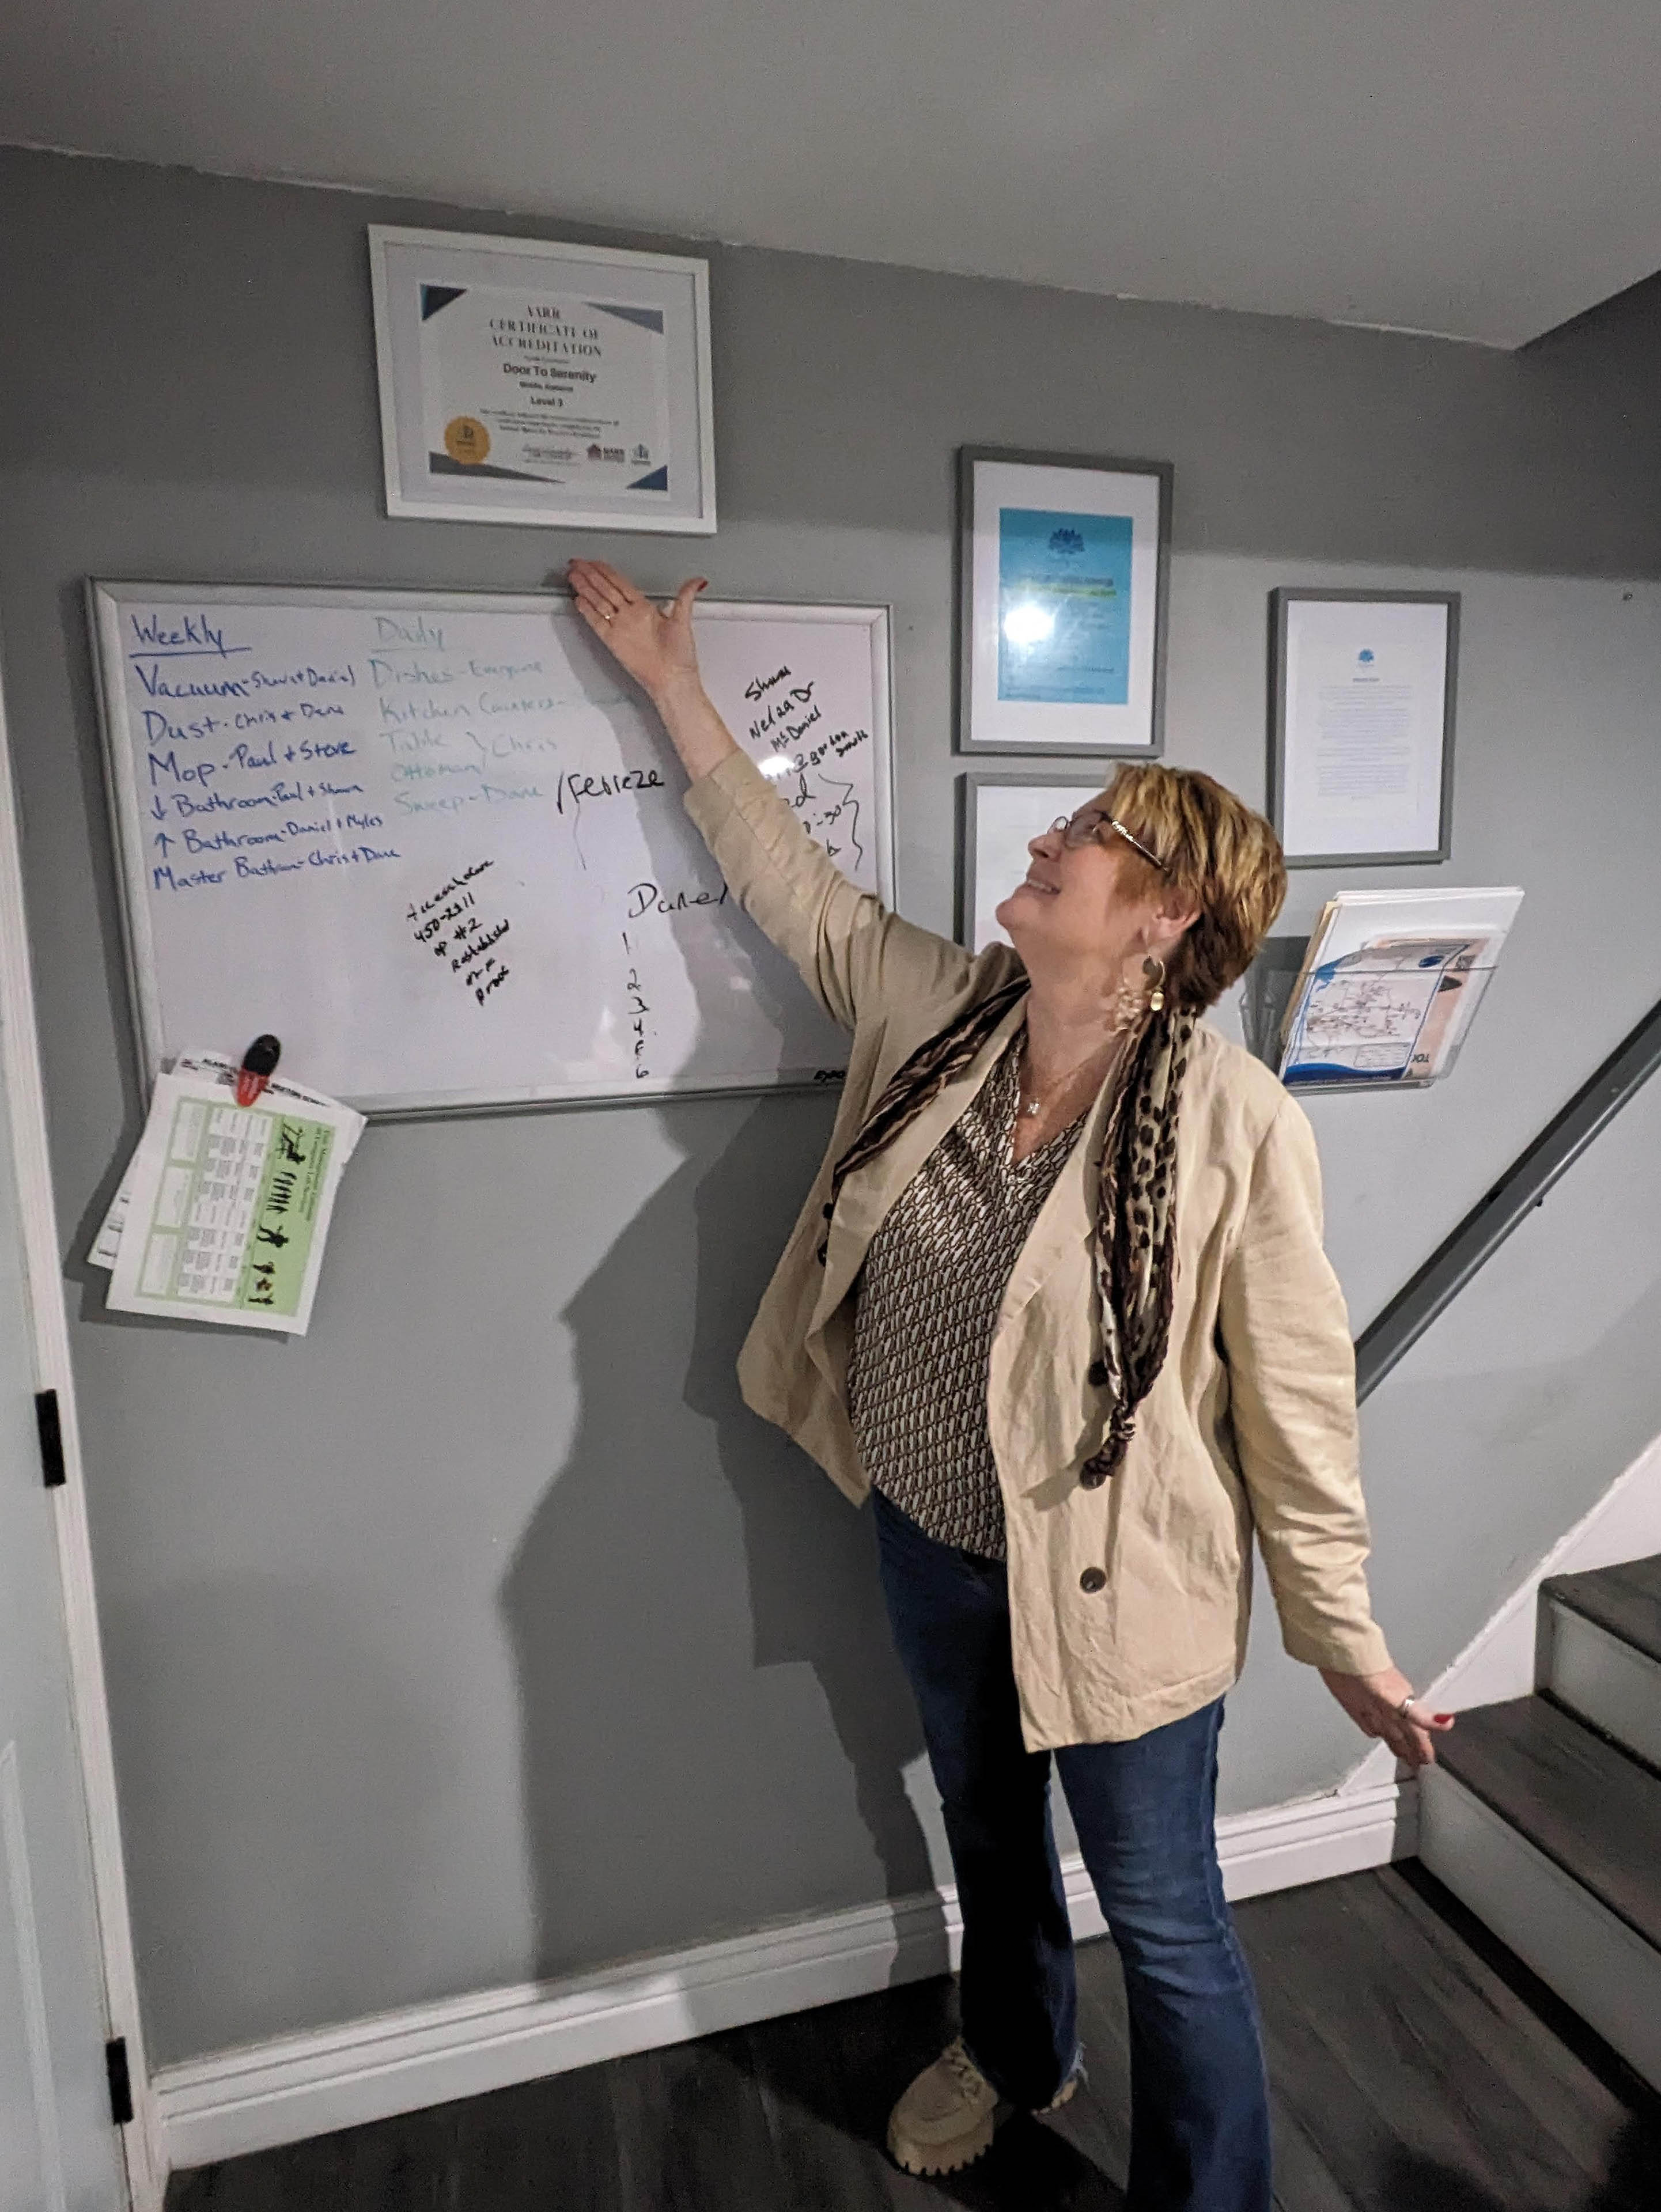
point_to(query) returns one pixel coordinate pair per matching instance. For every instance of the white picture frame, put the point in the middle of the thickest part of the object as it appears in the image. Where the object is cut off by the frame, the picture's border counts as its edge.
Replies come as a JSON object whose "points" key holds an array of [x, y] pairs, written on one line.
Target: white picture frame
{"points": [[526, 381], [1000, 810], [1063, 579]]}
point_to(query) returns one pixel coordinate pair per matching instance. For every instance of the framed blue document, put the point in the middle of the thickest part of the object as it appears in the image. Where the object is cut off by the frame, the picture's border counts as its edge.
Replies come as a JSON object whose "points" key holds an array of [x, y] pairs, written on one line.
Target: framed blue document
{"points": [[1063, 565]]}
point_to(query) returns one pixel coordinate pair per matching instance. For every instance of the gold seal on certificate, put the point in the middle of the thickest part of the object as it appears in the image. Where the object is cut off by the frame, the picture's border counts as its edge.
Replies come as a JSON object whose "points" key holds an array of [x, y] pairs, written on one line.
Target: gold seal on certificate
{"points": [[522, 381], [466, 440]]}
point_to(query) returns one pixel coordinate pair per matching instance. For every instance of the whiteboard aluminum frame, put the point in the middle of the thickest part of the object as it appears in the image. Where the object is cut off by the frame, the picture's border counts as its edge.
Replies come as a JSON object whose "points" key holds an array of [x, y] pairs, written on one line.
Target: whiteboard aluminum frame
{"points": [[401, 504], [105, 596]]}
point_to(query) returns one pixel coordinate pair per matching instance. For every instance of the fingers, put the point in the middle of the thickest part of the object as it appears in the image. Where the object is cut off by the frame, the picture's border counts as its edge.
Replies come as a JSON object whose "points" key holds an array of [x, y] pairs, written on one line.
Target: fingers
{"points": [[1383, 1707], [682, 610], [599, 592], [605, 582], [594, 611], [1410, 1744], [1413, 1736]]}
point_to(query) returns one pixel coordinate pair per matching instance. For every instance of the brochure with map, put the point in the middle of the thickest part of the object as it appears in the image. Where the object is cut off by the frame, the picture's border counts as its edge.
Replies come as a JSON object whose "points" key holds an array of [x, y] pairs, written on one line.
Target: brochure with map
{"points": [[1390, 984]]}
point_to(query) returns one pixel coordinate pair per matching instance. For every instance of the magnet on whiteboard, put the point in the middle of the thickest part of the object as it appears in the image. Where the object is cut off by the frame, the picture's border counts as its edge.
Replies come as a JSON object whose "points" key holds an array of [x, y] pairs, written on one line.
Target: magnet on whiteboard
{"points": [[259, 1066]]}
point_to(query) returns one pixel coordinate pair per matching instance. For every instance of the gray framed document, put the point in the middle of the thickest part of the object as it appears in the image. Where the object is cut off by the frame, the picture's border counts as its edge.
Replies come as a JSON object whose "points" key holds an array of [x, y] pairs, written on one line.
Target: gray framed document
{"points": [[1361, 693], [525, 381], [1063, 572], [1001, 812]]}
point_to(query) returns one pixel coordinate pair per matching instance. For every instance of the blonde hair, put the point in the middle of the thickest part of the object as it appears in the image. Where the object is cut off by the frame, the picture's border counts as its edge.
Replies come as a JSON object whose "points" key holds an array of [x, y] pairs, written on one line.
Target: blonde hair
{"points": [[1222, 857]]}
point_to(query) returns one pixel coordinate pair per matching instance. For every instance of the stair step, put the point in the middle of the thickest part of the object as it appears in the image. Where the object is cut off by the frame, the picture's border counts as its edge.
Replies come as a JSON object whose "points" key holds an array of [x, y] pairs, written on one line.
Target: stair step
{"points": [[1624, 1600], [1605, 1679], [1596, 1963], [1582, 1803]]}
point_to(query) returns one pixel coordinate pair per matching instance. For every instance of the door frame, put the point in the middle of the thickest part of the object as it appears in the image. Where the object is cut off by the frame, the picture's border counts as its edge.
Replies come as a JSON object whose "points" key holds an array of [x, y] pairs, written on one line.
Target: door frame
{"points": [[20, 1070]]}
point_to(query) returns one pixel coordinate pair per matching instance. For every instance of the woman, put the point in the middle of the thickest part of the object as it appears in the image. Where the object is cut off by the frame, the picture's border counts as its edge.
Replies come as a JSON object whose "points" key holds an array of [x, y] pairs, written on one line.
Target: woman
{"points": [[1058, 1301]]}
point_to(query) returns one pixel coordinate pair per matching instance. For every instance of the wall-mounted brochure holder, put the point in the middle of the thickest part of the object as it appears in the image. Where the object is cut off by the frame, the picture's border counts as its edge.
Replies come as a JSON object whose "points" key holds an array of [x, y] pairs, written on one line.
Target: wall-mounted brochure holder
{"points": [[1389, 986]]}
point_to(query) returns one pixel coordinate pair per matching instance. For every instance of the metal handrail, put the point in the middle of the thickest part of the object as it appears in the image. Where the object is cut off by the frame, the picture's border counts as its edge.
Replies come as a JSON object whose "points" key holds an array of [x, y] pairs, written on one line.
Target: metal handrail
{"points": [[1523, 1185]]}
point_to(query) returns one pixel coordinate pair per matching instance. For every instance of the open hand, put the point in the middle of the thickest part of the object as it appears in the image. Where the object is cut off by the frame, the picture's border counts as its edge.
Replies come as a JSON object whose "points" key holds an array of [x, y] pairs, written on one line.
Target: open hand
{"points": [[655, 645], [1373, 1703]]}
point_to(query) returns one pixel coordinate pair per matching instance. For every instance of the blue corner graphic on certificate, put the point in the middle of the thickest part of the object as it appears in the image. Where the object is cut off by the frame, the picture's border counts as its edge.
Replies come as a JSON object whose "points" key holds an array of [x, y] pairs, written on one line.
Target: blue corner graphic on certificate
{"points": [[1064, 607]]}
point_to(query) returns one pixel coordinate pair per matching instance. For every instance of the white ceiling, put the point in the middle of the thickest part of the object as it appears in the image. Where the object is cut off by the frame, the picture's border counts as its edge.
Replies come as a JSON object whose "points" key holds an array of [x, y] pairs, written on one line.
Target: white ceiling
{"points": [[1483, 168]]}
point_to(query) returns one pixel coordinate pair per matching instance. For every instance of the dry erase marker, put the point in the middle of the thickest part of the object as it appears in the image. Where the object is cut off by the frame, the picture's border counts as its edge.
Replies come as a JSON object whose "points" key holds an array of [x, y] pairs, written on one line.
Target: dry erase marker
{"points": [[259, 1066]]}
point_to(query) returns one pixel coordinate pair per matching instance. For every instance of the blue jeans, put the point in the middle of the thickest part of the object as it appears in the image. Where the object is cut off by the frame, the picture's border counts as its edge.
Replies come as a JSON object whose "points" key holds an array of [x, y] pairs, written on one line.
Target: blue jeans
{"points": [[1144, 1816]]}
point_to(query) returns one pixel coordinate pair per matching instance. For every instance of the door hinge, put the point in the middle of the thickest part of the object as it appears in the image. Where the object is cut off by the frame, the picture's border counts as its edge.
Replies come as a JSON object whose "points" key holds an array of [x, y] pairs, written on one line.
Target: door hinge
{"points": [[49, 1422], [115, 2060]]}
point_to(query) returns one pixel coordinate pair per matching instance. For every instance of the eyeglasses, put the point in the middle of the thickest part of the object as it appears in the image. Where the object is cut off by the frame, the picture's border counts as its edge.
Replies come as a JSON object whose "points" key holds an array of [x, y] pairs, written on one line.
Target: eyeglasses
{"points": [[1085, 827]]}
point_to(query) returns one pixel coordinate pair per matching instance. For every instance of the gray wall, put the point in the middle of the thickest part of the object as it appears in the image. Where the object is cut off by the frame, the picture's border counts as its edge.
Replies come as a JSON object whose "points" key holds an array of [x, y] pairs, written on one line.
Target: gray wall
{"points": [[483, 1634]]}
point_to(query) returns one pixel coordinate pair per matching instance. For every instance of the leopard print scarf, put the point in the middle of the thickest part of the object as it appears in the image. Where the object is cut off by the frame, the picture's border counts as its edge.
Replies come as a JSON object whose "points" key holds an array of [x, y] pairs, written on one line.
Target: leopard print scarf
{"points": [[1135, 1242]]}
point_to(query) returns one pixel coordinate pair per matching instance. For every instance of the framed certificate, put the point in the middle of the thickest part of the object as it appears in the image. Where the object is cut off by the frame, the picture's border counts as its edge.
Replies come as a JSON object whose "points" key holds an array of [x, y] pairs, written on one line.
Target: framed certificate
{"points": [[522, 381], [1360, 751], [1001, 812], [1062, 574]]}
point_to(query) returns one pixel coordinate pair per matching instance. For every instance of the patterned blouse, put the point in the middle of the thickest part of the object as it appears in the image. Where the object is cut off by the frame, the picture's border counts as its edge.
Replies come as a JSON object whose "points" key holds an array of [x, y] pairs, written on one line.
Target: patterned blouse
{"points": [[929, 1297]]}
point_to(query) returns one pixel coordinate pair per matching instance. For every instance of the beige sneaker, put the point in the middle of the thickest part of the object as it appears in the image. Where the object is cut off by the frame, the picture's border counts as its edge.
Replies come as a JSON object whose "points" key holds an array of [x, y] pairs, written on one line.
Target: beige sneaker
{"points": [[949, 2115], [946, 2118]]}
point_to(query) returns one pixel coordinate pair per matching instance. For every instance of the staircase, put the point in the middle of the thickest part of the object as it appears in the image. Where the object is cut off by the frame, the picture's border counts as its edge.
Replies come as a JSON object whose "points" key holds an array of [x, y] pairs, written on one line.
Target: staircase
{"points": [[1544, 1813]]}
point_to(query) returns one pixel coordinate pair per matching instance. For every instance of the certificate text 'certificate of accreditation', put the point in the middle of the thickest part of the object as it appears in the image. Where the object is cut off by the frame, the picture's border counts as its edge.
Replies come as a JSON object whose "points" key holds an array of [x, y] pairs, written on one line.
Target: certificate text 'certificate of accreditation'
{"points": [[549, 386]]}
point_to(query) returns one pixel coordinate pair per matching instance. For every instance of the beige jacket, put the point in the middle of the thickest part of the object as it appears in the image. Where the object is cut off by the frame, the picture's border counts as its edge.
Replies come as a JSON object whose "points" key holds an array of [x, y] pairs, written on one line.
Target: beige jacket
{"points": [[1129, 1602]]}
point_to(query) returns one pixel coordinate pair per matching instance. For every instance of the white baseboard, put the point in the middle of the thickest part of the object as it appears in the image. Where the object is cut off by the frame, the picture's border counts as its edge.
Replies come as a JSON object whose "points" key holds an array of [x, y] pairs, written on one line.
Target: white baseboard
{"points": [[298, 2086], [283, 2091], [1343, 1832], [1500, 1661]]}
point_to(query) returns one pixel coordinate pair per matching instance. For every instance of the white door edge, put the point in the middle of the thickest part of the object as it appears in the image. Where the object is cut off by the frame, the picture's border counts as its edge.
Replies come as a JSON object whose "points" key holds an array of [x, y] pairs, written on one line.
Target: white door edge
{"points": [[20, 1069]]}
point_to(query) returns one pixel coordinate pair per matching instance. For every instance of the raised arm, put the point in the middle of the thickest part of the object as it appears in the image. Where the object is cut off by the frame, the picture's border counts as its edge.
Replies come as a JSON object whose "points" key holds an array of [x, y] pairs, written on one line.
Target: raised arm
{"points": [[853, 955]]}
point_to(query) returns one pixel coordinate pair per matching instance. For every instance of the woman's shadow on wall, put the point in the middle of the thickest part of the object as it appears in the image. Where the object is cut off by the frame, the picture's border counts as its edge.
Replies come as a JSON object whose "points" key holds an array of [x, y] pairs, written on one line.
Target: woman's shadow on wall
{"points": [[714, 1727]]}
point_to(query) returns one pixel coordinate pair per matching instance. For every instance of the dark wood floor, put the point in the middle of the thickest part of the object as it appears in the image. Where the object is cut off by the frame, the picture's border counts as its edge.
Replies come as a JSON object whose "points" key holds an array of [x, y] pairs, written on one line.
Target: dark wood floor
{"points": [[1417, 2068]]}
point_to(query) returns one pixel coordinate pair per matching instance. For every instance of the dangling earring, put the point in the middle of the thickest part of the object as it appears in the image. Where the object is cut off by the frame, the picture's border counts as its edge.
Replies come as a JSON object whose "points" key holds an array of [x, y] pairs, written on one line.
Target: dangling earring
{"points": [[1153, 968]]}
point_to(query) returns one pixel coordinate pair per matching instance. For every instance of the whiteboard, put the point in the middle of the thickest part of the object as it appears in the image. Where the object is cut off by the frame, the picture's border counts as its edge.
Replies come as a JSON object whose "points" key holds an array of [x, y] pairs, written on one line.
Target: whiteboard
{"points": [[434, 841]]}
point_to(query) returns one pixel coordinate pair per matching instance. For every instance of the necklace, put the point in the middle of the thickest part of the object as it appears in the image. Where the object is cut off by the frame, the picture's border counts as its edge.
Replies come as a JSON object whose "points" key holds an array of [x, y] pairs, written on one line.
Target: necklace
{"points": [[1034, 1107]]}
